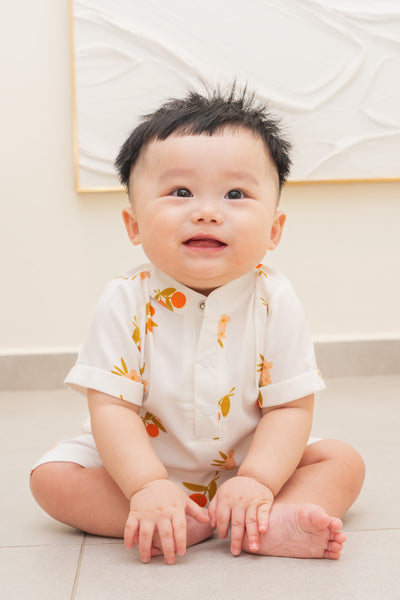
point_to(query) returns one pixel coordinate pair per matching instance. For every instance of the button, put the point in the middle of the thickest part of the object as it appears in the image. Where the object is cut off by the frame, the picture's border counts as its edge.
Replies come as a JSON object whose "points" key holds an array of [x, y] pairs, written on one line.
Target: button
{"points": [[206, 362], [202, 305]]}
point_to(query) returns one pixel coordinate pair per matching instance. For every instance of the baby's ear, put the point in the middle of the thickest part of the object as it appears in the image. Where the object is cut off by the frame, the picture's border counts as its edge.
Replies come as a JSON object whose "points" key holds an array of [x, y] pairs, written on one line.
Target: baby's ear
{"points": [[131, 225], [277, 230]]}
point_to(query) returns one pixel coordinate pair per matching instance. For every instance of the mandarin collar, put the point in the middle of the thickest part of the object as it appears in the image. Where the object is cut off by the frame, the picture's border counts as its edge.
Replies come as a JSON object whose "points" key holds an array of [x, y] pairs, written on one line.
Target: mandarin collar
{"points": [[178, 298]]}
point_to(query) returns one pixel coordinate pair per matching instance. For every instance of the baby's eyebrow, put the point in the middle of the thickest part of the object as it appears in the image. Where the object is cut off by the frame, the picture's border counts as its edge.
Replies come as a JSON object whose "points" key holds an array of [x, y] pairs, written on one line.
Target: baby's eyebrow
{"points": [[232, 176], [238, 176], [175, 172]]}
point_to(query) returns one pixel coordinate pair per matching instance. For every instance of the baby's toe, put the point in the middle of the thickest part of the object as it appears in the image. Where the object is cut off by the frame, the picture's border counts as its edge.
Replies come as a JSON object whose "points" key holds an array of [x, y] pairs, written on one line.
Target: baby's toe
{"points": [[335, 546], [338, 536]]}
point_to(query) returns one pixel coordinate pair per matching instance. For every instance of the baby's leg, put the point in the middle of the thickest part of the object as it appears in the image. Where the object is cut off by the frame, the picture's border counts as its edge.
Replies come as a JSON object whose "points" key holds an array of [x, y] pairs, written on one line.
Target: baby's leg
{"points": [[87, 499], [305, 517], [90, 500]]}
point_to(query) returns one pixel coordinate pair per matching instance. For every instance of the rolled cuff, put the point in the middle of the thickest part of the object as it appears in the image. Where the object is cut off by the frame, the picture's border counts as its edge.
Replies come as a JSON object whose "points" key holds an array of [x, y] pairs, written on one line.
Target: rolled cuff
{"points": [[82, 377], [291, 389]]}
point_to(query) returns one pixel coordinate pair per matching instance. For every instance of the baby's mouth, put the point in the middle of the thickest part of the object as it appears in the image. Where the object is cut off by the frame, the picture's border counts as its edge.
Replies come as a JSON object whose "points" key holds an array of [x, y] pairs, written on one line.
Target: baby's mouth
{"points": [[204, 242]]}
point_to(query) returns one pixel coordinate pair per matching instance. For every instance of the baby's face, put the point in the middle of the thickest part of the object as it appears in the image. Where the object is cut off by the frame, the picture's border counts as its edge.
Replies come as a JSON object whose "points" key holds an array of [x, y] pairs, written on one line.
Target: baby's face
{"points": [[204, 207]]}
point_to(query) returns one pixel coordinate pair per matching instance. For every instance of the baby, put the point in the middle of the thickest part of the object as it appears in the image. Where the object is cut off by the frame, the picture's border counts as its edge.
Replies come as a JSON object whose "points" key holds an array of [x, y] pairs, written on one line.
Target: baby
{"points": [[199, 369]]}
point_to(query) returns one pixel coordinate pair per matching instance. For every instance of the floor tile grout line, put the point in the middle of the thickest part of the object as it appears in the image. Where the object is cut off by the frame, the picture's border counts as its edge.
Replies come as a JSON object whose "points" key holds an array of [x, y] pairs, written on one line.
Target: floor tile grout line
{"points": [[59, 545], [48, 545], [78, 568], [21, 546]]}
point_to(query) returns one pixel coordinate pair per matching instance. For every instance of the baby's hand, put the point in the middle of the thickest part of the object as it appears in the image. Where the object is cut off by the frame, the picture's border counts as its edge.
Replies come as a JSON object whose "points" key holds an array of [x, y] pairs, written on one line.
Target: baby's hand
{"points": [[246, 504], [161, 506]]}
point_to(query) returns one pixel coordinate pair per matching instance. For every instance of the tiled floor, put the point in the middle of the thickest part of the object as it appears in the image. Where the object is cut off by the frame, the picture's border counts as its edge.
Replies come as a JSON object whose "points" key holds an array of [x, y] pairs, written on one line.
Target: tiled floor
{"points": [[41, 559]]}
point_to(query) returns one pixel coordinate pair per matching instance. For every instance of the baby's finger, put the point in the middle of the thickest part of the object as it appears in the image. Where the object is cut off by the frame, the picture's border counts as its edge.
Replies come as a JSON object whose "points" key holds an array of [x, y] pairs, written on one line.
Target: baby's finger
{"points": [[263, 517], [195, 511], [167, 540], [223, 517], [179, 529], [252, 527], [237, 530], [130, 533], [212, 511], [146, 532]]}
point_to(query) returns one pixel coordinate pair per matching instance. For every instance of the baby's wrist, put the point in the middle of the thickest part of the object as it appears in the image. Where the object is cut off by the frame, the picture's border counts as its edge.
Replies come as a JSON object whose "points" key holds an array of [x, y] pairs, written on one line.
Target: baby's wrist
{"points": [[251, 475], [147, 485]]}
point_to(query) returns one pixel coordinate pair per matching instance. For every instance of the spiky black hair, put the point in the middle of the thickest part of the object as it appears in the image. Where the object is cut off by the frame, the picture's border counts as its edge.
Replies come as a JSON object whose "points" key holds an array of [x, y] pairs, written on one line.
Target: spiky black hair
{"points": [[198, 114]]}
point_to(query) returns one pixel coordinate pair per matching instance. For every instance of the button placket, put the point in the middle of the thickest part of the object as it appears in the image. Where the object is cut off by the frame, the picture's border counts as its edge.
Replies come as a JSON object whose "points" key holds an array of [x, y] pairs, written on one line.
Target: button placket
{"points": [[206, 423]]}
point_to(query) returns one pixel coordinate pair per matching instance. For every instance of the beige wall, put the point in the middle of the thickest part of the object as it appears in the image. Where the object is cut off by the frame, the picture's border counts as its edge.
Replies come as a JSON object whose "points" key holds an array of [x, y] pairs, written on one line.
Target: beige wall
{"points": [[59, 248]]}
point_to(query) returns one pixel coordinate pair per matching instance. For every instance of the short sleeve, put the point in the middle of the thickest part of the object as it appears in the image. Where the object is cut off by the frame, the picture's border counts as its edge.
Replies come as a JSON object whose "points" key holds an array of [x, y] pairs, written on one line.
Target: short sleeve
{"points": [[288, 365], [110, 358]]}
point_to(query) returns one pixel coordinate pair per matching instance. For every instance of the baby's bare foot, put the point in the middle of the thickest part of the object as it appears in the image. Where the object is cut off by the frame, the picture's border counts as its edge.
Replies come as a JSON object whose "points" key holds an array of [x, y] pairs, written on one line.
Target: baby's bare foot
{"points": [[300, 531]]}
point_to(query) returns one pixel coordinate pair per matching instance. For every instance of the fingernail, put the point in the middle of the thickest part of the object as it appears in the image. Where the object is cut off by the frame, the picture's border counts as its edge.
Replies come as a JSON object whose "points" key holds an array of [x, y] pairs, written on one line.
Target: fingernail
{"points": [[253, 546]]}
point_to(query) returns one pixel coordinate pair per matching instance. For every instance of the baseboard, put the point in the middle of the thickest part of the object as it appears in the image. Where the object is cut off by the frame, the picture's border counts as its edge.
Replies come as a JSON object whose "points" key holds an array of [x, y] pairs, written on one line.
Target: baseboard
{"points": [[351, 358], [341, 358], [42, 371]]}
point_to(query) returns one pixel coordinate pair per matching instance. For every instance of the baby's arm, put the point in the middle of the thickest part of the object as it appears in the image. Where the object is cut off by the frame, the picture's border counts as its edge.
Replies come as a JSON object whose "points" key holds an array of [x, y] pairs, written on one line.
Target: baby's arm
{"points": [[277, 447], [155, 502]]}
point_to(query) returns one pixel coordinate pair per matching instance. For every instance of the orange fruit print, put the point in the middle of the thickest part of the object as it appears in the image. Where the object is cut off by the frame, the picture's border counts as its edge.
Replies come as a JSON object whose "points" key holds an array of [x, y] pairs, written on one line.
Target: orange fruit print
{"points": [[150, 312], [228, 461], [264, 367], [152, 430], [223, 322], [153, 425], [202, 491], [200, 499], [178, 300], [132, 374], [170, 298]]}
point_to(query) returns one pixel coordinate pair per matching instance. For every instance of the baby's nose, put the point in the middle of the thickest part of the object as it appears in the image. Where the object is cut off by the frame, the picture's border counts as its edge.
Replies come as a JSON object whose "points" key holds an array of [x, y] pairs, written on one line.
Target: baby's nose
{"points": [[207, 212]]}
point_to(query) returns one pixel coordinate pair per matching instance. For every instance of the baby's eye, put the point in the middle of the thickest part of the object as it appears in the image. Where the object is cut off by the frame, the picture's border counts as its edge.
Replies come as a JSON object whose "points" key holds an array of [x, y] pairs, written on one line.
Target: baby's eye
{"points": [[234, 195], [182, 193]]}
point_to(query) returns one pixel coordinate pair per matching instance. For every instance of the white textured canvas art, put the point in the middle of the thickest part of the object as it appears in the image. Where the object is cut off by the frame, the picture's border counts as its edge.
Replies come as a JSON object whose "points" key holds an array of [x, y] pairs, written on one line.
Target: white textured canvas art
{"points": [[330, 68]]}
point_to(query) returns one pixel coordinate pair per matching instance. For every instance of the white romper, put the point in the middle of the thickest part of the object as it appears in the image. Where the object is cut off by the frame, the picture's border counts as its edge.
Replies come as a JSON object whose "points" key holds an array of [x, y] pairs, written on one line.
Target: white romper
{"points": [[199, 367]]}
